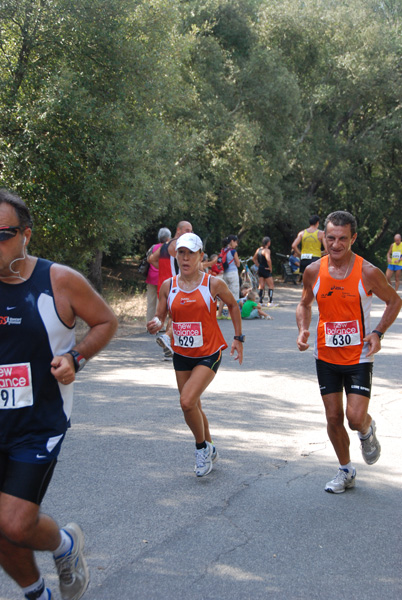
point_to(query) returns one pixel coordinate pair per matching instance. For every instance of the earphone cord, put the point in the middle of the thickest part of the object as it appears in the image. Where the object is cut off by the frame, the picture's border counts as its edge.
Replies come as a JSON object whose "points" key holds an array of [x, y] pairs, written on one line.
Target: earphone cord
{"points": [[16, 273]]}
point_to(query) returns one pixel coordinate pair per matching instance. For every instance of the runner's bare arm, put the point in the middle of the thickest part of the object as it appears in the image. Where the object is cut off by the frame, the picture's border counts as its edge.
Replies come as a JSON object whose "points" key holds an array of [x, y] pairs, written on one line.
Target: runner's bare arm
{"points": [[303, 310], [161, 309], [153, 259], [296, 243], [389, 254], [219, 288], [255, 257], [75, 297], [376, 282], [321, 237], [268, 257]]}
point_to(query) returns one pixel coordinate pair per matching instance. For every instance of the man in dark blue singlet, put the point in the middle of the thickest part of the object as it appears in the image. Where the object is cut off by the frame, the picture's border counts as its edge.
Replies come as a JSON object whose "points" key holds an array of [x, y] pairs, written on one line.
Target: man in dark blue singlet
{"points": [[39, 358]]}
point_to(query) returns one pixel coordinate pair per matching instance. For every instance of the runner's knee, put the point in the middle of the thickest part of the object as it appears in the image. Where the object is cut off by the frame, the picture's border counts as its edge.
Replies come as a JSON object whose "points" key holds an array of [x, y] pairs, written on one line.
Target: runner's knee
{"points": [[15, 531], [334, 418], [356, 418], [187, 402]]}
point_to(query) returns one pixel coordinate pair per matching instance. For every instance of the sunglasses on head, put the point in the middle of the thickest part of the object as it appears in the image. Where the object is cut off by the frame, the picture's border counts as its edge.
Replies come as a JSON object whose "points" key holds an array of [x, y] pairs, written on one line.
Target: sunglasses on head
{"points": [[6, 233]]}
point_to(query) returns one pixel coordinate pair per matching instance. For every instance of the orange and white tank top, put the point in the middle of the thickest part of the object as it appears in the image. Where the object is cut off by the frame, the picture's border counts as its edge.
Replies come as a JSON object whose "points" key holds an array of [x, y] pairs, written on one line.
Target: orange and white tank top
{"points": [[344, 316], [196, 332]]}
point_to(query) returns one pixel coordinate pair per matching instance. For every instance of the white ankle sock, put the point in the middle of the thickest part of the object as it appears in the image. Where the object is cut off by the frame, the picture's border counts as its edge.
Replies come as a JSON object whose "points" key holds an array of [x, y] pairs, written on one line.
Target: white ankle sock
{"points": [[65, 546], [348, 467], [39, 588]]}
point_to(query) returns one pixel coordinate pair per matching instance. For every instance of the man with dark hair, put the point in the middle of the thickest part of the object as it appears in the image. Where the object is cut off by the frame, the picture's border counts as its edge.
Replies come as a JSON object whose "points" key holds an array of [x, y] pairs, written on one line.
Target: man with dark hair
{"points": [[310, 240], [343, 284], [262, 258], [39, 359]]}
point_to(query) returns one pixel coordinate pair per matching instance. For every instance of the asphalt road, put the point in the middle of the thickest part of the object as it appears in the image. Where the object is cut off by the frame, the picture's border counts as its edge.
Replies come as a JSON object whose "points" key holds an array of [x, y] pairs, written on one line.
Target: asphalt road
{"points": [[260, 525]]}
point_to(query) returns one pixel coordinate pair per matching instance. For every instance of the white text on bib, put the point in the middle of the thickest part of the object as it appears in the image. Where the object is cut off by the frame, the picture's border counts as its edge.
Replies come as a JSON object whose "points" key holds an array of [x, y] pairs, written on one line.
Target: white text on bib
{"points": [[15, 386], [342, 333], [188, 335]]}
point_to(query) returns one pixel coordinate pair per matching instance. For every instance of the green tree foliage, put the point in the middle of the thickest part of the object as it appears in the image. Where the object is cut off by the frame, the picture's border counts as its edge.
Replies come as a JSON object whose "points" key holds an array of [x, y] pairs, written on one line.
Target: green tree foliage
{"points": [[347, 153], [243, 116], [83, 140]]}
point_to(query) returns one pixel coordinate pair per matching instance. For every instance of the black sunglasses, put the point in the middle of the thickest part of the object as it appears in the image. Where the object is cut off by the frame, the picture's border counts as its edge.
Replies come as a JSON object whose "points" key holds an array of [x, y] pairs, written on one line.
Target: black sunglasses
{"points": [[6, 233]]}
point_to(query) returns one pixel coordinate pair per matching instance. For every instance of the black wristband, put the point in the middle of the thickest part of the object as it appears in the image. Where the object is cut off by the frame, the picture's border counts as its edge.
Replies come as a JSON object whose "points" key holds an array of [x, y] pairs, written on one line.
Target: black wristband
{"points": [[240, 338], [380, 335], [79, 360]]}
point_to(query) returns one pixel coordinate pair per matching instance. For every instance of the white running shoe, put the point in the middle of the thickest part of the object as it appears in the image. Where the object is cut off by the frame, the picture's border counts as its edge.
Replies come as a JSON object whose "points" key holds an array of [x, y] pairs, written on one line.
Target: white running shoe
{"points": [[203, 460], [343, 480], [370, 447], [214, 456], [163, 341], [71, 567]]}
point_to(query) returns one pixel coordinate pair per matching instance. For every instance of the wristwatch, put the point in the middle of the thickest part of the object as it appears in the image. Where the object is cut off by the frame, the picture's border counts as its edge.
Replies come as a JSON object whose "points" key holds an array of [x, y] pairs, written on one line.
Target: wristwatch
{"points": [[380, 335], [240, 338], [79, 360]]}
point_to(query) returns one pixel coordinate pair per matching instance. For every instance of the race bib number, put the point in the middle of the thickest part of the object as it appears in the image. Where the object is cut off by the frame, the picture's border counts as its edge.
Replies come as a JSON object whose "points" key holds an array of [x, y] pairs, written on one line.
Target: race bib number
{"points": [[188, 335], [306, 256], [15, 386], [396, 256], [341, 334]]}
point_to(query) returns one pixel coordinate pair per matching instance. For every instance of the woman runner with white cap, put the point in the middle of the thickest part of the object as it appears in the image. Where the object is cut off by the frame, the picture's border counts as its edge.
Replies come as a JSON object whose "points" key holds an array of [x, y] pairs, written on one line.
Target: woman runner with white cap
{"points": [[190, 298]]}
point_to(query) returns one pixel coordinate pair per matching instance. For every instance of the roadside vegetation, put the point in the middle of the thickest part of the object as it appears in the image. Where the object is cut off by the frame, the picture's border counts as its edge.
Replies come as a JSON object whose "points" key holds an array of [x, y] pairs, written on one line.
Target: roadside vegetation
{"points": [[242, 116]]}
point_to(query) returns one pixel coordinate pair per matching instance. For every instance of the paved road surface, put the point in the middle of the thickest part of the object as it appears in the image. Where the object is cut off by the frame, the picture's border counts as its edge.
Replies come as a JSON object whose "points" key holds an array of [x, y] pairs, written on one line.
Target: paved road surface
{"points": [[260, 526]]}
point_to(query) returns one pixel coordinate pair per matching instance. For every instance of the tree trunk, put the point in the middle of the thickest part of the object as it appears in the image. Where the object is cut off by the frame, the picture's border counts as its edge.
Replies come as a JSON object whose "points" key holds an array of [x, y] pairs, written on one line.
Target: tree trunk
{"points": [[95, 271]]}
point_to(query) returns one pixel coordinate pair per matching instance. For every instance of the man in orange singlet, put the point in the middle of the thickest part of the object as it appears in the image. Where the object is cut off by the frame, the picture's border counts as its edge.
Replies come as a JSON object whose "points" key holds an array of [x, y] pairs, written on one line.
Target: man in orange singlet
{"points": [[190, 299], [343, 284]]}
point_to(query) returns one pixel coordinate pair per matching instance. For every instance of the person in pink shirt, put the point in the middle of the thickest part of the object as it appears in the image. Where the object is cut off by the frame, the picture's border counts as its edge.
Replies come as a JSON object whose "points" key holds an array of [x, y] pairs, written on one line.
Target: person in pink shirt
{"points": [[164, 235]]}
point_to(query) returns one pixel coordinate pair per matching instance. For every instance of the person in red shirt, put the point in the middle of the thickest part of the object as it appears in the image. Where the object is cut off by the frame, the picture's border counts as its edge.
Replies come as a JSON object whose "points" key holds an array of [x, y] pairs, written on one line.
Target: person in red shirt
{"points": [[190, 300], [343, 284], [164, 259]]}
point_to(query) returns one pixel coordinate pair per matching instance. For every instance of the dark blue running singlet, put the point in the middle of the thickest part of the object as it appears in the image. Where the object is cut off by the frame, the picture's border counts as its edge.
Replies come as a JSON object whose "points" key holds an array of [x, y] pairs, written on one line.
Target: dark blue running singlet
{"points": [[33, 405]]}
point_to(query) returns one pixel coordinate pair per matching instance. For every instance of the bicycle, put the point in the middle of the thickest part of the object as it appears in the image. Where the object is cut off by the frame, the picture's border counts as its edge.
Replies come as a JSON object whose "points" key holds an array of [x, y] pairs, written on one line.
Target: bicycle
{"points": [[249, 275]]}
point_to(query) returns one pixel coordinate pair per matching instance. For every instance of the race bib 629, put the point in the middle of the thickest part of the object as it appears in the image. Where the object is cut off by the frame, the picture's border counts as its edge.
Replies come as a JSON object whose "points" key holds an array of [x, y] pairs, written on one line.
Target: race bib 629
{"points": [[188, 335]]}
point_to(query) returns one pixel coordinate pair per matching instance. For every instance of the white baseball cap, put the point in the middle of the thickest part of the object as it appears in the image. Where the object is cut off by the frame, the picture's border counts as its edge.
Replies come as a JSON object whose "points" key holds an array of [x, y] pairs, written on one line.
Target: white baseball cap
{"points": [[190, 241]]}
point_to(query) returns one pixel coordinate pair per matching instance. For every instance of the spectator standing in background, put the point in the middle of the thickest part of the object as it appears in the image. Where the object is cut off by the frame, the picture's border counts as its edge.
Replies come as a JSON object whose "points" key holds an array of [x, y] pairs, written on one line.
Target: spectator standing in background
{"points": [[394, 258], [262, 259], [164, 258], [231, 266], [164, 235]]}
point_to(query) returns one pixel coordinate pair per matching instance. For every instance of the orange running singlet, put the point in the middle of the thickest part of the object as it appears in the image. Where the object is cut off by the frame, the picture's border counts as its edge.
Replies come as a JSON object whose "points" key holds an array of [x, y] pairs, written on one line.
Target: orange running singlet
{"points": [[196, 332], [344, 319]]}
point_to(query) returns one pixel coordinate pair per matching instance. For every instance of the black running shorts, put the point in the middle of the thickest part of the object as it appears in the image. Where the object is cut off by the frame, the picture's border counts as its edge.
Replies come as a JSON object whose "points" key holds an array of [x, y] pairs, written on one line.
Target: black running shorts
{"points": [[355, 379], [185, 363], [28, 481], [264, 272], [305, 262]]}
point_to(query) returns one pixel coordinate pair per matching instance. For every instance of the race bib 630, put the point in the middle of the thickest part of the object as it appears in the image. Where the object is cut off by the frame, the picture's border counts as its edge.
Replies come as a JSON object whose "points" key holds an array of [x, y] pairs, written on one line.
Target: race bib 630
{"points": [[342, 333]]}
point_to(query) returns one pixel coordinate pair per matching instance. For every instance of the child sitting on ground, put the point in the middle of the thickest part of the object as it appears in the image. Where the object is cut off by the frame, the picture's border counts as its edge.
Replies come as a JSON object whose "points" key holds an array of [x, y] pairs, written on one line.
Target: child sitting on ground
{"points": [[244, 290], [251, 309]]}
